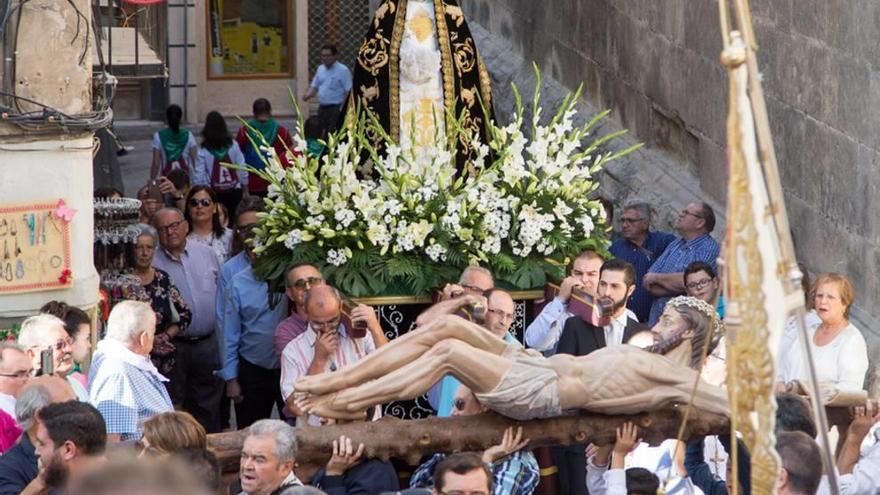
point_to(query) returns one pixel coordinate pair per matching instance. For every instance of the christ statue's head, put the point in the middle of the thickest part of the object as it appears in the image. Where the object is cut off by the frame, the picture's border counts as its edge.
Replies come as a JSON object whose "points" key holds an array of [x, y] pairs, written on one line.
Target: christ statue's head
{"points": [[686, 319]]}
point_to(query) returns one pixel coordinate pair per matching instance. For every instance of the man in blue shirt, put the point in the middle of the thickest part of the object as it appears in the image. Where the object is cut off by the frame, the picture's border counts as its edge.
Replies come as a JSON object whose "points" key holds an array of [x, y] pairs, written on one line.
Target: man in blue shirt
{"points": [[639, 246], [665, 279], [251, 368], [332, 83]]}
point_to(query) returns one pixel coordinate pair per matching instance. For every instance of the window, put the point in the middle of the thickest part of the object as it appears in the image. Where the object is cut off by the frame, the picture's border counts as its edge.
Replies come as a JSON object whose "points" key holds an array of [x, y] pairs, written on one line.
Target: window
{"points": [[249, 38]]}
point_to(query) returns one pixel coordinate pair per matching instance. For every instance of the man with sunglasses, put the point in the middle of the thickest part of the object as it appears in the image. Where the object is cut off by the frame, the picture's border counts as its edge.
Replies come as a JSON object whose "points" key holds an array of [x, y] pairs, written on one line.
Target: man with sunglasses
{"points": [[326, 345], [193, 268], [665, 278], [298, 280], [44, 333]]}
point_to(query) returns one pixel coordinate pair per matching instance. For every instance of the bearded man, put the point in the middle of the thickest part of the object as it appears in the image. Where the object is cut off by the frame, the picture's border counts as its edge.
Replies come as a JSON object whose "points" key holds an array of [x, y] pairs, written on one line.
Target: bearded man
{"points": [[523, 384]]}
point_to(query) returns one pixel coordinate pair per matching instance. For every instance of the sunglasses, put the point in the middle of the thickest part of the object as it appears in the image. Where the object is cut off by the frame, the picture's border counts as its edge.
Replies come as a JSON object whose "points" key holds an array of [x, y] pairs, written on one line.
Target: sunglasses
{"points": [[310, 281], [200, 202]]}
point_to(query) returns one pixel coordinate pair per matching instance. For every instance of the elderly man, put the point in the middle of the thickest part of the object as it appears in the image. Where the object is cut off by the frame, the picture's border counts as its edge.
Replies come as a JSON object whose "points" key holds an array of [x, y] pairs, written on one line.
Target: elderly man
{"points": [[124, 385], [326, 345], [665, 279], [15, 369], [639, 246], [71, 438], [267, 458], [193, 270], [298, 280], [250, 366], [543, 333], [46, 333], [18, 466]]}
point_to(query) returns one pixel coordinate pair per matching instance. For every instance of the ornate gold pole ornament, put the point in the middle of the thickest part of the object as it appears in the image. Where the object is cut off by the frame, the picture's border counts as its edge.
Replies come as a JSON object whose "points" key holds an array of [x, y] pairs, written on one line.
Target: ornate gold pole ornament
{"points": [[762, 287]]}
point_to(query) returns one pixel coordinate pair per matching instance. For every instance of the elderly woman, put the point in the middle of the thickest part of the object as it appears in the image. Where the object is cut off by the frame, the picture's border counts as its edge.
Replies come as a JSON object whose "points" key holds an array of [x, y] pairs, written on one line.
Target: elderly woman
{"points": [[837, 346], [172, 313], [203, 215]]}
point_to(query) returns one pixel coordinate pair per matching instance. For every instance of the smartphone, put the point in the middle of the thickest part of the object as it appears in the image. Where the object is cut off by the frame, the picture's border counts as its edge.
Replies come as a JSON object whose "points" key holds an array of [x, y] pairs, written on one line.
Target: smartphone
{"points": [[356, 328], [47, 362]]}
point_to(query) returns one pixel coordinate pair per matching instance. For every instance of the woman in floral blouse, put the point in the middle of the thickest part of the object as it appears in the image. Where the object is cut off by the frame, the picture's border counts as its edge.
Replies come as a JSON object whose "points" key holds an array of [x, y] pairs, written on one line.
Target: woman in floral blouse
{"points": [[172, 313]]}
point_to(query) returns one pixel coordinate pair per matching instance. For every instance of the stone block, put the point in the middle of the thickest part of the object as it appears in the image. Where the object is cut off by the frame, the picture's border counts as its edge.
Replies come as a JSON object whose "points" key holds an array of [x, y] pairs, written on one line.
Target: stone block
{"points": [[702, 31], [855, 115], [713, 170], [778, 12]]}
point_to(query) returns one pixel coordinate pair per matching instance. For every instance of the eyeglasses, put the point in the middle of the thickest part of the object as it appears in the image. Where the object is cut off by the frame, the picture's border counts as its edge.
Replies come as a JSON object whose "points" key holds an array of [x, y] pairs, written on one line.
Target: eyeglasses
{"points": [[61, 344], [462, 492], [308, 281], [472, 288], [685, 212], [502, 314], [204, 203], [246, 228], [325, 326], [20, 374], [630, 220], [171, 226], [699, 285]]}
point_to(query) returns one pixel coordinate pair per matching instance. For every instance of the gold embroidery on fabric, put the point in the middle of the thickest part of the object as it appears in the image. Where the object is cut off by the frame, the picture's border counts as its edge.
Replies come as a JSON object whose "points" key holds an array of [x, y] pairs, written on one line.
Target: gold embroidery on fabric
{"points": [[485, 84], [445, 61], [469, 96], [394, 71], [456, 14], [421, 25], [465, 57], [370, 93], [373, 54], [385, 8]]}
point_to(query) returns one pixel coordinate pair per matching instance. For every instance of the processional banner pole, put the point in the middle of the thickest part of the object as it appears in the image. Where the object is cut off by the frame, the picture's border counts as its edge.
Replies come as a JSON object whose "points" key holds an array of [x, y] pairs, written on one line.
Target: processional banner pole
{"points": [[763, 280]]}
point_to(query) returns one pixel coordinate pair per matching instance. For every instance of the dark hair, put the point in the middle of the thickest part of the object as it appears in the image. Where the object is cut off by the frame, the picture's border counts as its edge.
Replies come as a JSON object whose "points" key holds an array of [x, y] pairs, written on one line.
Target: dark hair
{"points": [[215, 134], [173, 115], [461, 464], [202, 463], [619, 265], [215, 218], [72, 316], [250, 203], [608, 205], [262, 106], [801, 459], [313, 128], [106, 192], [77, 422], [696, 267], [640, 481], [179, 177], [331, 47], [793, 414], [708, 216]]}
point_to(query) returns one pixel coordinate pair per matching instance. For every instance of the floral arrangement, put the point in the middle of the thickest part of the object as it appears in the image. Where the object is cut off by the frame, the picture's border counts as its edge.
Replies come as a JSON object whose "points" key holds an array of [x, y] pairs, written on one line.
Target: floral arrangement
{"points": [[405, 222]]}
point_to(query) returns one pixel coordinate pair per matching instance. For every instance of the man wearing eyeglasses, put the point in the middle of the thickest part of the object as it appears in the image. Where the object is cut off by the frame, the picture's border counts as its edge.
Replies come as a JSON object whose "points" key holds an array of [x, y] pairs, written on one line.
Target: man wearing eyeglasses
{"points": [[46, 332], [639, 246], [326, 345], [193, 268], [15, 370], [298, 280], [665, 279]]}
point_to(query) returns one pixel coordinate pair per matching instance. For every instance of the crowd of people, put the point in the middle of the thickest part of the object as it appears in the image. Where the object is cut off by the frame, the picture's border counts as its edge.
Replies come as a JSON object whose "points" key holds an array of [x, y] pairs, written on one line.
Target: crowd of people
{"points": [[206, 347]]}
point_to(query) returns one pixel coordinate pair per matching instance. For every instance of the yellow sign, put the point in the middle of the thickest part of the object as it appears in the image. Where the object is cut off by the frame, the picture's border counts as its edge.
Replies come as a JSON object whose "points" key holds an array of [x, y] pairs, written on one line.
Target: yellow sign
{"points": [[35, 246]]}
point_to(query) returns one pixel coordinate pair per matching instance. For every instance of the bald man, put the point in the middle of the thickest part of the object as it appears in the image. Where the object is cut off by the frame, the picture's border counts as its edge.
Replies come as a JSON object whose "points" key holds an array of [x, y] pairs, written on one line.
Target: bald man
{"points": [[326, 345]]}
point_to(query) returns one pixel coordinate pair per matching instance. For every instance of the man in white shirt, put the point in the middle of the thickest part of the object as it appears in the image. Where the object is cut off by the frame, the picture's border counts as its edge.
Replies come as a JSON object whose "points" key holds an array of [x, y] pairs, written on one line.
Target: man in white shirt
{"points": [[15, 370], [326, 345]]}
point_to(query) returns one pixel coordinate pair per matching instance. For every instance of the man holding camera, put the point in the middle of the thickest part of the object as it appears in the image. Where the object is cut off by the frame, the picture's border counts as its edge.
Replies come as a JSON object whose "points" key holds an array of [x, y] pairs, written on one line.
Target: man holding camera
{"points": [[48, 346], [327, 344]]}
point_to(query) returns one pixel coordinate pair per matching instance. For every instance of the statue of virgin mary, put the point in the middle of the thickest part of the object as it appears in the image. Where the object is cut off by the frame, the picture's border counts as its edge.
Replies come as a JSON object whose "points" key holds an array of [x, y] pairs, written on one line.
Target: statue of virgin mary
{"points": [[417, 68]]}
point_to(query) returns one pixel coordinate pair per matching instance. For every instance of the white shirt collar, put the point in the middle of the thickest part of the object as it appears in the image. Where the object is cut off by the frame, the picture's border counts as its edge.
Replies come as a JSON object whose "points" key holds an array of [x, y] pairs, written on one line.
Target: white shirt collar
{"points": [[116, 350], [614, 331], [7, 404]]}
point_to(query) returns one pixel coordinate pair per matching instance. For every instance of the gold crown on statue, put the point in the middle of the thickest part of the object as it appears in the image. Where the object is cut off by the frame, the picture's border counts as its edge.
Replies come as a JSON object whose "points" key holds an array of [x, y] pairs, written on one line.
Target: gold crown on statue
{"points": [[703, 307]]}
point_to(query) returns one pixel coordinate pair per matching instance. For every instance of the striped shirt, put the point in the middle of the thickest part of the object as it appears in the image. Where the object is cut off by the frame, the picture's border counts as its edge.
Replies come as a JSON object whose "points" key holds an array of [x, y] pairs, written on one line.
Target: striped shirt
{"points": [[516, 474], [300, 352], [676, 258]]}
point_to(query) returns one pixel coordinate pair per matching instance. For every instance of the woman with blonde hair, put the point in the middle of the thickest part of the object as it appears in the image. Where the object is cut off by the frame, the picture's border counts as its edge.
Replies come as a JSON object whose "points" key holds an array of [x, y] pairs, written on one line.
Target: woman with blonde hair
{"points": [[838, 347], [169, 432]]}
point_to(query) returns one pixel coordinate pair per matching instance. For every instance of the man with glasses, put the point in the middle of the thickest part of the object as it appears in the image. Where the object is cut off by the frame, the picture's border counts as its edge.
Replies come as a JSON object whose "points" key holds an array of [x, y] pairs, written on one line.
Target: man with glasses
{"points": [[665, 279], [251, 368], [15, 370], [44, 333], [639, 246], [193, 268], [298, 280], [326, 345]]}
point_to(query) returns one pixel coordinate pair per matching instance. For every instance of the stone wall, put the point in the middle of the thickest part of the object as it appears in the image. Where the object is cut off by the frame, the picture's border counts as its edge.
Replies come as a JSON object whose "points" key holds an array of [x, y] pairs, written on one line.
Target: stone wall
{"points": [[655, 64]]}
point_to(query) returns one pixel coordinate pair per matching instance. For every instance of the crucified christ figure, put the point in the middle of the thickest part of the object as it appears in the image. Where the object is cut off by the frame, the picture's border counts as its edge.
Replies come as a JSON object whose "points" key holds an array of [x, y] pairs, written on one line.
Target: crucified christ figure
{"points": [[522, 384]]}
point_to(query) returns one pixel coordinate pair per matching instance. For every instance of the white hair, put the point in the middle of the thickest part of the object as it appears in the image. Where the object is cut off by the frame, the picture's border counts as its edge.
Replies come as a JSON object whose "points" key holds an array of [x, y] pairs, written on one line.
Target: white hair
{"points": [[35, 331], [466, 273], [29, 401], [129, 319], [284, 435]]}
